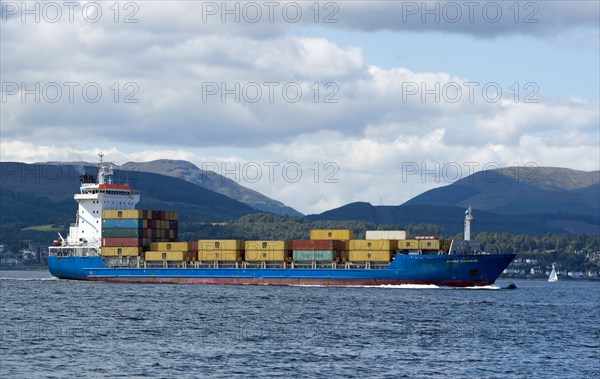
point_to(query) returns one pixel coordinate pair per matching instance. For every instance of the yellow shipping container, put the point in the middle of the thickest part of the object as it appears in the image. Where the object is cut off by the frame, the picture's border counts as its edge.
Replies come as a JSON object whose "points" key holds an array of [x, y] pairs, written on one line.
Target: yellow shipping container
{"points": [[178, 246], [372, 245], [369, 255], [331, 234], [268, 245], [429, 244], [125, 213], [121, 251], [169, 255], [408, 244], [216, 245], [220, 255], [267, 255]]}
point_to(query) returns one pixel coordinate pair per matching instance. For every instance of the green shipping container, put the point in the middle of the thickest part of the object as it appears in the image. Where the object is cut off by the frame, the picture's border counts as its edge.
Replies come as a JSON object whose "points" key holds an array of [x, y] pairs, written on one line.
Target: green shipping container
{"points": [[315, 255], [122, 233]]}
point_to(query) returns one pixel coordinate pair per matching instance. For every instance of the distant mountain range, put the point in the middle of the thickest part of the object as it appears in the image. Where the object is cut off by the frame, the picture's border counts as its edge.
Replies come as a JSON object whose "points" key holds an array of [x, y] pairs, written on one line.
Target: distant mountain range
{"points": [[511, 191], [550, 200], [554, 200], [210, 180], [43, 193]]}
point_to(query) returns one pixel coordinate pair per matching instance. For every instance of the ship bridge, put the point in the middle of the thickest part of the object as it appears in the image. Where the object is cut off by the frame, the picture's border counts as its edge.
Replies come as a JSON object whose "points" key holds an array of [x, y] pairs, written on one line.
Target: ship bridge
{"points": [[96, 195]]}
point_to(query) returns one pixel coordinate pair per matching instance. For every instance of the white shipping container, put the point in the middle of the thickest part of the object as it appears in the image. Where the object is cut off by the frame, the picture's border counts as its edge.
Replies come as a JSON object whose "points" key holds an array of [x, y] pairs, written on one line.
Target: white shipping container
{"points": [[386, 235]]}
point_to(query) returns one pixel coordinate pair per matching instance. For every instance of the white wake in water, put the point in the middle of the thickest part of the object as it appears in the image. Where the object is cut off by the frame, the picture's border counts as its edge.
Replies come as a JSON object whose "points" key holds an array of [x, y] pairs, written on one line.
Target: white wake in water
{"points": [[490, 287], [30, 279], [405, 286], [408, 286]]}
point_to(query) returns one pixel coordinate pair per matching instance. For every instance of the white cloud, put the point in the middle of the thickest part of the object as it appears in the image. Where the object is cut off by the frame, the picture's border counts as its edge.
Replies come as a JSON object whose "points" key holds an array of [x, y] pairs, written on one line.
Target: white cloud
{"points": [[486, 19], [383, 120]]}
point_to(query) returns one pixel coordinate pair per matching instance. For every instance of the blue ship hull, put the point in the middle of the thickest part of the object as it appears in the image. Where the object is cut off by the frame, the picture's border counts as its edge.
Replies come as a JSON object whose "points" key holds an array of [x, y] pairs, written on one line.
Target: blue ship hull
{"points": [[446, 270]]}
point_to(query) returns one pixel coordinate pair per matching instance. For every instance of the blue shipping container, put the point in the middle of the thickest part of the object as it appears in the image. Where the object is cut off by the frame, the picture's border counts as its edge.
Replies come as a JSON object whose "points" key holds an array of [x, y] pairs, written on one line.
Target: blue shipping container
{"points": [[123, 223], [315, 255]]}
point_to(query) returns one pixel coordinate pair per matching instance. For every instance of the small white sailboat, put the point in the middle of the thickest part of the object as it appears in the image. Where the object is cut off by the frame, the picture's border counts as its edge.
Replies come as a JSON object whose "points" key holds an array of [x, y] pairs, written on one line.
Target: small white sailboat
{"points": [[553, 277]]}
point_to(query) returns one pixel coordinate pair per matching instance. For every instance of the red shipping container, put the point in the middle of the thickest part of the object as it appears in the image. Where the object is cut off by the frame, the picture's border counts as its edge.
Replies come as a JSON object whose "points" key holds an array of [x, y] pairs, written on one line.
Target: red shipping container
{"points": [[122, 242], [328, 245]]}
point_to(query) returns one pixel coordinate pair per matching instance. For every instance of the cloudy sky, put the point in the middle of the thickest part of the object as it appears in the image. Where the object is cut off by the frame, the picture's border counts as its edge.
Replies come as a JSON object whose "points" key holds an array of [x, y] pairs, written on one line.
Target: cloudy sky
{"points": [[315, 104]]}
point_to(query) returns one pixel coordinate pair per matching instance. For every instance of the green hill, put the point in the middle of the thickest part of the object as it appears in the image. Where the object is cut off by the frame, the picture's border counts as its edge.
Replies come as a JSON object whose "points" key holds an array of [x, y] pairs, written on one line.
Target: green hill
{"points": [[214, 182], [42, 194], [544, 200], [508, 191]]}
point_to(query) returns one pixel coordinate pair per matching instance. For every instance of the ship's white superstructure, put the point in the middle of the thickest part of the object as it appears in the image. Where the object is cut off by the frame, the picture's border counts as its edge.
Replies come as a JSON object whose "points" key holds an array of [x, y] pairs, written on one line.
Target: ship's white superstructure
{"points": [[468, 219], [466, 246], [94, 197]]}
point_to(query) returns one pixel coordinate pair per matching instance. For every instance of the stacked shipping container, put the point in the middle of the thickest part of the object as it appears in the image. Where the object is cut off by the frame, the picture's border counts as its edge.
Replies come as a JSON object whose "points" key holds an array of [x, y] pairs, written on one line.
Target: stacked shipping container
{"points": [[331, 234], [342, 235], [267, 251], [317, 250], [126, 251], [172, 251], [385, 235], [429, 244], [371, 250], [220, 250], [130, 232], [408, 244]]}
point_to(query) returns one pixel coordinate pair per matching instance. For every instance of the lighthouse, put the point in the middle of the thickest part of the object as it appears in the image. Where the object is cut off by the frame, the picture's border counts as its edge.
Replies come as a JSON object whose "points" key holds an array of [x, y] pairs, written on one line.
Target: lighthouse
{"points": [[468, 219]]}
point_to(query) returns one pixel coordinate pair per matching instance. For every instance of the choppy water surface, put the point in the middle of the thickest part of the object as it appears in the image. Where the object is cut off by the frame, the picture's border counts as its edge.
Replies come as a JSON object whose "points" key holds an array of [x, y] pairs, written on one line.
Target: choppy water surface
{"points": [[66, 329]]}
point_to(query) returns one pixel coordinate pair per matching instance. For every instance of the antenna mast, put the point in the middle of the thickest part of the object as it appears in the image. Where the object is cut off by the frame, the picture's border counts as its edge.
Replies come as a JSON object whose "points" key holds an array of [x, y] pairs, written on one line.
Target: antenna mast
{"points": [[101, 170]]}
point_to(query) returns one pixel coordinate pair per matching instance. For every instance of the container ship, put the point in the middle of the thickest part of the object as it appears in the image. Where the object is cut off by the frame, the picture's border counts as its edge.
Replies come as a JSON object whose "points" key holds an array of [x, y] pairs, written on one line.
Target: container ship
{"points": [[113, 241]]}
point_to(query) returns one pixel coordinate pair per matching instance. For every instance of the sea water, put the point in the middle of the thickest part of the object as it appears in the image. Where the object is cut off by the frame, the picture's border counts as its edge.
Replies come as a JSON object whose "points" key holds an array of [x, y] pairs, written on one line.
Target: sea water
{"points": [[64, 329]]}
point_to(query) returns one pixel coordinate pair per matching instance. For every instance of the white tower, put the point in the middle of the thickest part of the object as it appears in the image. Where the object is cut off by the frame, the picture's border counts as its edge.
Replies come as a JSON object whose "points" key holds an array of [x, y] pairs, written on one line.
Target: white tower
{"points": [[468, 219]]}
